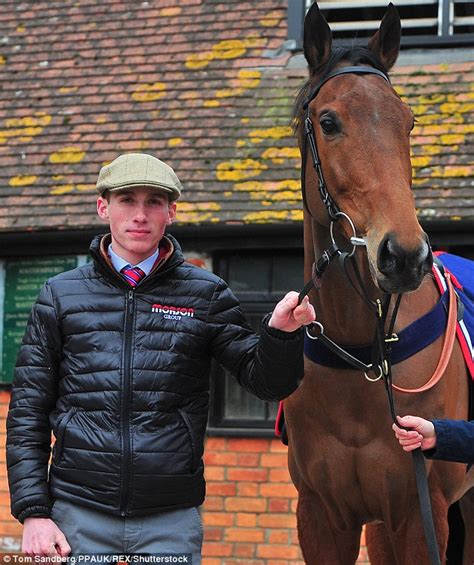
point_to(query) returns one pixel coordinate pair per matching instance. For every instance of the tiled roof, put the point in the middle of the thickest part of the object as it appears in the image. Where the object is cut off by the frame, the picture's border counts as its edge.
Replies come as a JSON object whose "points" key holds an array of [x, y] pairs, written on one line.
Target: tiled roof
{"points": [[202, 85]]}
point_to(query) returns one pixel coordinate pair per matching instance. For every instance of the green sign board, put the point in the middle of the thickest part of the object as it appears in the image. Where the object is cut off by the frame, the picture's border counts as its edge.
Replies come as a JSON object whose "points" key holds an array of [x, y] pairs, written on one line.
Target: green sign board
{"points": [[23, 280]]}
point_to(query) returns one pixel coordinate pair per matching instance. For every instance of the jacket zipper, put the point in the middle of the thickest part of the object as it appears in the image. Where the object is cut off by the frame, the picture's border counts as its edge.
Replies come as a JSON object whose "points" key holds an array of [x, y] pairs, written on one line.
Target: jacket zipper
{"points": [[127, 401]]}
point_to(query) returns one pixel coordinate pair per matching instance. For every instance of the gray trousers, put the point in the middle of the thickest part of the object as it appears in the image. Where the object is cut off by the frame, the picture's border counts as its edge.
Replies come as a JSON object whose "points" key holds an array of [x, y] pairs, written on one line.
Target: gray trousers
{"points": [[91, 532]]}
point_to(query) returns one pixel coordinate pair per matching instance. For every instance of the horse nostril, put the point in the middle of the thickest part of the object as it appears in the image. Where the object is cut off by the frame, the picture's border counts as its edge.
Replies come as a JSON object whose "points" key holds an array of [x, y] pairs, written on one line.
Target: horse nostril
{"points": [[428, 263], [386, 260], [427, 260], [409, 265]]}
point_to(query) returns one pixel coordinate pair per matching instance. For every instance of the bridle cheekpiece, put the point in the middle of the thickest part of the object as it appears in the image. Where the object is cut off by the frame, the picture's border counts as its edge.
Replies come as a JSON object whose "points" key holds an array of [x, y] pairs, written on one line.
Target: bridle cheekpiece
{"points": [[310, 139]]}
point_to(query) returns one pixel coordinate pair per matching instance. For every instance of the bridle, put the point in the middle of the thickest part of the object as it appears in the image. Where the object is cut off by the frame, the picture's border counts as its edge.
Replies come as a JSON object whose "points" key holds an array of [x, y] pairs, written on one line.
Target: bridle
{"points": [[381, 364], [334, 213]]}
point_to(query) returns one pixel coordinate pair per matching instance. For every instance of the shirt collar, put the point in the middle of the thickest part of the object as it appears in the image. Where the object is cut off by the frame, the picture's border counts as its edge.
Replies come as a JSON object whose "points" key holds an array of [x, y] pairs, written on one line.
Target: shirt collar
{"points": [[119, 263]]}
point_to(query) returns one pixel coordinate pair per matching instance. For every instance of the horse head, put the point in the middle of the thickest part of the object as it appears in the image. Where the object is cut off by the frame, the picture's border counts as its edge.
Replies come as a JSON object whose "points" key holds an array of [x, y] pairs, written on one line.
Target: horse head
{"points": [[362, 129]]}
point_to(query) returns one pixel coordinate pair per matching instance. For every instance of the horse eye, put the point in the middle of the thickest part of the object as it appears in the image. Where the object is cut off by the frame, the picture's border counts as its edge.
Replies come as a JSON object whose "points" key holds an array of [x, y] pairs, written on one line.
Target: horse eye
{"points": [[329, 125]]}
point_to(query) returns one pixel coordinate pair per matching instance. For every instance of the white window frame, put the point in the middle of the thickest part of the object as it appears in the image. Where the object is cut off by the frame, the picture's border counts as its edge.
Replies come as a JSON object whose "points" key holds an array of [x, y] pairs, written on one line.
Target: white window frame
{"points": [[447, 22]]}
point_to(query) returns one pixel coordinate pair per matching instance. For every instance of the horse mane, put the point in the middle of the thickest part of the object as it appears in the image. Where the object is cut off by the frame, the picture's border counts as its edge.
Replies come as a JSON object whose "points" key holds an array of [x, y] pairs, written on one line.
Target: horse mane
{"points": [[353, 55]]}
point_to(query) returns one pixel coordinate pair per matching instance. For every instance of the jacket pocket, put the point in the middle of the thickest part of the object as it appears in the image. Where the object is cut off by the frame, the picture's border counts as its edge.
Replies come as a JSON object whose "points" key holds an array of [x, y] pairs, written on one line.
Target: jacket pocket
{"points": [[61, 432], [189, 429]]}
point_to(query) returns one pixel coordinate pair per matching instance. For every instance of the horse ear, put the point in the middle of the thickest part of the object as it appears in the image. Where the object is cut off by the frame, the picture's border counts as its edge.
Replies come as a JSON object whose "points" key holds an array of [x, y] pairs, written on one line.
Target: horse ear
{"points": [[317, 40], [386, 42]]}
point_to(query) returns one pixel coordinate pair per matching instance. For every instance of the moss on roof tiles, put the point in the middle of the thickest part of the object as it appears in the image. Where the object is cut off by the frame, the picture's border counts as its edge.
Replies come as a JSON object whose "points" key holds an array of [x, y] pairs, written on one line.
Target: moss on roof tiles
{"points": [[198, 88], [65, 155]]}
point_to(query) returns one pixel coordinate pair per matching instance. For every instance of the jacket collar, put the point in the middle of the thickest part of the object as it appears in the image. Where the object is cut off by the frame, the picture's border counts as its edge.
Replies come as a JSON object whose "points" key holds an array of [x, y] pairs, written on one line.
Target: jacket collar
{"points": [[170, 257]]}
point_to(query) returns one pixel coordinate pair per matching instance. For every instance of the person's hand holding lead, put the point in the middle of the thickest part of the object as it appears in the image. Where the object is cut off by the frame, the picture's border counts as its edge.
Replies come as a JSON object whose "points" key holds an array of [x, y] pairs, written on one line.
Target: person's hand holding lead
{"points": [[288, 316], [421, 433]]}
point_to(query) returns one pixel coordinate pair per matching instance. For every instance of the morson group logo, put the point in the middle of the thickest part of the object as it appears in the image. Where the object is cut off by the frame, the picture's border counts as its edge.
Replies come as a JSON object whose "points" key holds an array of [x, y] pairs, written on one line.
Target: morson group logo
{"points": [[172, 312]]}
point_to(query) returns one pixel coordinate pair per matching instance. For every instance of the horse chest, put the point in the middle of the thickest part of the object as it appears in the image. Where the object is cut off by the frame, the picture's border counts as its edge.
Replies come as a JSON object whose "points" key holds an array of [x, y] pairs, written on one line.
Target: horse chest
{"points": [[358, 483]]}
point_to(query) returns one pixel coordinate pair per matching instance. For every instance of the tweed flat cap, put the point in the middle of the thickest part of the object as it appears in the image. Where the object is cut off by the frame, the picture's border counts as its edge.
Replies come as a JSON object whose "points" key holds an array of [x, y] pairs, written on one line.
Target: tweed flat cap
{"points": [[138, 169]]}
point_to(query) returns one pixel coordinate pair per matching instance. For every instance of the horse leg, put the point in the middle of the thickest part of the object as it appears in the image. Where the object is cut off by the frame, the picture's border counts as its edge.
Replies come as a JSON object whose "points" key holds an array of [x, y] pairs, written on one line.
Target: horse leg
{"points": [[408, 542], [320, 543], [379, 545], [466, 505], [407, 545], [454, 551]]}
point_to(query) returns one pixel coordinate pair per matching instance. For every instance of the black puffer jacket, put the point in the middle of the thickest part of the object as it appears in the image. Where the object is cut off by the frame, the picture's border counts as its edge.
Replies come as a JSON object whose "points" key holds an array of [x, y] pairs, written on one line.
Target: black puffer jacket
{"points": [[121, 376]]}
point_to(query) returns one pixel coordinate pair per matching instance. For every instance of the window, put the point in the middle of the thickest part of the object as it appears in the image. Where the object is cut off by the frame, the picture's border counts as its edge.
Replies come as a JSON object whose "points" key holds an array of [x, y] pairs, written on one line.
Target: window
{"points": [[259, 280], [424, 22]]}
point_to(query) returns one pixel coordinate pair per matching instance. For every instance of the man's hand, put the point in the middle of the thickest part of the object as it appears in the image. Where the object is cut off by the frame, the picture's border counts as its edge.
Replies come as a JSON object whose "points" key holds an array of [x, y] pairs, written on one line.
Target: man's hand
{"points": [[42, 537], [422, 433], [288, 316]]}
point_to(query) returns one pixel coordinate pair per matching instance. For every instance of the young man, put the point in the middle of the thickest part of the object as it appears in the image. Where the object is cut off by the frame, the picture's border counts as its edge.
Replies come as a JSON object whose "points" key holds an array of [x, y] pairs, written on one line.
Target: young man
{"points": [[449, 440], [116, 360]]}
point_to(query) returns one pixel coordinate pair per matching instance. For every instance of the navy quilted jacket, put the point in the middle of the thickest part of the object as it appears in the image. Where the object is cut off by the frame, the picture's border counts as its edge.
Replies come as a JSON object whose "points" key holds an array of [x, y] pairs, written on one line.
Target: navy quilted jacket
{"points": [[454, 441], [121, 377]]}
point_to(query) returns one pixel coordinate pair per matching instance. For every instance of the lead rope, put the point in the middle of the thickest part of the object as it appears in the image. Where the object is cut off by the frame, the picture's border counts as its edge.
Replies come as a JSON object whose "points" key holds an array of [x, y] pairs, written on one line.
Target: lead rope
{"points": [[420, 476]]}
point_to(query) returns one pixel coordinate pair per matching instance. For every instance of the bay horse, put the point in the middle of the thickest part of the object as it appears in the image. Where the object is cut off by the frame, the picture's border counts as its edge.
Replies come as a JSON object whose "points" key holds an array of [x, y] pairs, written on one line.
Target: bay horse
{"points": [[343, 459]]}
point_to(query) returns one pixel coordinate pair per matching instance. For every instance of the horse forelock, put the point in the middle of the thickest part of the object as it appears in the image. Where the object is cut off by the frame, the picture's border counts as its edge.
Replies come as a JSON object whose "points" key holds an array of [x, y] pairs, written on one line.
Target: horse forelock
{"points": [[353, 55]]}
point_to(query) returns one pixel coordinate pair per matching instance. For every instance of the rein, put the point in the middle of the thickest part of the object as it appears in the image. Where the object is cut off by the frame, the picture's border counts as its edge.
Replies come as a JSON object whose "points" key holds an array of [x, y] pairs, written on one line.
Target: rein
{"points": [[381, 349]]}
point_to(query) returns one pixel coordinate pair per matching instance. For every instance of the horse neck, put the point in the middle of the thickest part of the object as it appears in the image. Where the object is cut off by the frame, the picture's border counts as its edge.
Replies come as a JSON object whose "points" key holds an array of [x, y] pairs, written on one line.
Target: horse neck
{"points": [[345, 315]]}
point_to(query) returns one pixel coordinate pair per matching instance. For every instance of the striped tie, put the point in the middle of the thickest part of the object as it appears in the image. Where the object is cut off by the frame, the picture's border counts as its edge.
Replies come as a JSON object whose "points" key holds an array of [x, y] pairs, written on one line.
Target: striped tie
{"points": [[133, 275]]}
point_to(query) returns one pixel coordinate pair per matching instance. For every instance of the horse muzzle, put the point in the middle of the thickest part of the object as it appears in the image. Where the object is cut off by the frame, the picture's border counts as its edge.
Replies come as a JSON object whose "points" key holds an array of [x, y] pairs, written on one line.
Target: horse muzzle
{"points": [[400, 269]]}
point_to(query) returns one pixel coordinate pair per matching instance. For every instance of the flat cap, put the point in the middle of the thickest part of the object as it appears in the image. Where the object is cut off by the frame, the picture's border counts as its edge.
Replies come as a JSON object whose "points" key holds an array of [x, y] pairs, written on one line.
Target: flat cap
{"points": [[138, 169]]}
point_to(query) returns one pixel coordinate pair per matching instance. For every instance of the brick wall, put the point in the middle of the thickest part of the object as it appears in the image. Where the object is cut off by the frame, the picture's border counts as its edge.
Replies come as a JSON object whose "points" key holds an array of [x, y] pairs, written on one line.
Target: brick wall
{"points": [[249, 513], [10, 529]]}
